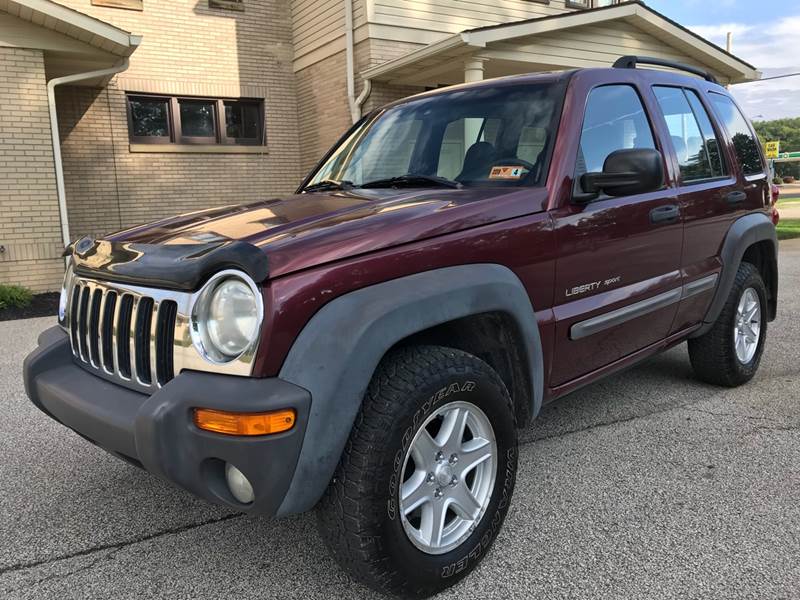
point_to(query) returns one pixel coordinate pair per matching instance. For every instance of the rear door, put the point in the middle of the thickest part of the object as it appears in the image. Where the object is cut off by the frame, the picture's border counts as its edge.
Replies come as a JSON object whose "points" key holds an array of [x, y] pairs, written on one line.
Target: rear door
{"points": [[618, 269], [709, 194]]}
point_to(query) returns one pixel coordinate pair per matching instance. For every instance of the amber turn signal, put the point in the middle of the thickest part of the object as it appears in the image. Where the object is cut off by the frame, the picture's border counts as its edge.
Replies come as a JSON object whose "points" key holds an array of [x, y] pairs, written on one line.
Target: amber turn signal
{"points": [[231, 423]]}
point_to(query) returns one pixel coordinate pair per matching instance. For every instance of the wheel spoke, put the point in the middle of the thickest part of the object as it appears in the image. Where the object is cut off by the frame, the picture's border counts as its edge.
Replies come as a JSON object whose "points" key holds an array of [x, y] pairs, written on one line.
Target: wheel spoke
{"points": [[452, 430], [414, 492], [750, 315], [473, 453], [464, 503], [432, 522], [424, 449]]}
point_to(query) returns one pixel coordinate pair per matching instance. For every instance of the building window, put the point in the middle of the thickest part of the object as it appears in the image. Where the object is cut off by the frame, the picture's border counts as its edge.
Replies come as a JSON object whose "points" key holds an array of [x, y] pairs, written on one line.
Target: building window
{"points": [[227, 4], [127, 4], [183, 120], [591, 3]]}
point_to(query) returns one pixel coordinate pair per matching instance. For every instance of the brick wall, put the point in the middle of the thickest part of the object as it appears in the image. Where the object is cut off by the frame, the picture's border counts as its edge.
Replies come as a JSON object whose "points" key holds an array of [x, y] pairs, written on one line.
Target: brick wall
{"points": [[30, 230], [323, 110], [187, 49]]}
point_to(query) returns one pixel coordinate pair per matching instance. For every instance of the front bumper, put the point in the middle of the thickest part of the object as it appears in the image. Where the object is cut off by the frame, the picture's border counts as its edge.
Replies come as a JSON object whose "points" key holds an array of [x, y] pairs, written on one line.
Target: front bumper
{"points": [[157, 432]]}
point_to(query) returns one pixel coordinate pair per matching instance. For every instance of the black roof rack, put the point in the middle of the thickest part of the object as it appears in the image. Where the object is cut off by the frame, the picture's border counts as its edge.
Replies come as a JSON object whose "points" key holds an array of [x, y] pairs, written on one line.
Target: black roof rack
{"points": [[630, 62]]}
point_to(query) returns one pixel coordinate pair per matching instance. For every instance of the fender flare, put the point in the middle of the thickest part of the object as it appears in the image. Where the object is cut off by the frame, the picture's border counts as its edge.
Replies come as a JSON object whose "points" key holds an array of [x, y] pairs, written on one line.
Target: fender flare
{"points": [[745, 231], [338, 350]]}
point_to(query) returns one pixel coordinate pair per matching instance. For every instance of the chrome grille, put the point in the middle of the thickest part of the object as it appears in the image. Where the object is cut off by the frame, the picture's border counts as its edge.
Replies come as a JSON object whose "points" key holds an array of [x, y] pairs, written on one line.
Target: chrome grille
{"points": [[136, 336], [123, 333]]}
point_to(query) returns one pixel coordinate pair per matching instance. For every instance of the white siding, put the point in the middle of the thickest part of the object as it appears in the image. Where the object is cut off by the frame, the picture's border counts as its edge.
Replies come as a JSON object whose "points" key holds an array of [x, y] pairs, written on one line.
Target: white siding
{"points": [[316, 23], [452, 16], [589, 46]]}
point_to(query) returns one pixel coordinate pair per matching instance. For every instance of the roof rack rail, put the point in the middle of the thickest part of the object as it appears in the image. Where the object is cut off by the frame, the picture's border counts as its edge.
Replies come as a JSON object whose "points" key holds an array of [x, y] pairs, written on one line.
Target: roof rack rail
{"points": [[630, 62]]}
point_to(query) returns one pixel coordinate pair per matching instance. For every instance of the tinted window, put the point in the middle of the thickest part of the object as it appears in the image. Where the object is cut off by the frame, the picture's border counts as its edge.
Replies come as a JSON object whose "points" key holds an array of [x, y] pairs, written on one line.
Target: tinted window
{"points": [[744, 143], [615, 120], [712, 145], [691, 132], [149, 117], [197, 118]]}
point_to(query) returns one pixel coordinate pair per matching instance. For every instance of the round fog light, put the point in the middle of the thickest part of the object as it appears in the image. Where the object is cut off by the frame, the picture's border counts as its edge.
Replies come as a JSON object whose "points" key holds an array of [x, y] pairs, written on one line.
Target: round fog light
{"points": [[238, 484]]}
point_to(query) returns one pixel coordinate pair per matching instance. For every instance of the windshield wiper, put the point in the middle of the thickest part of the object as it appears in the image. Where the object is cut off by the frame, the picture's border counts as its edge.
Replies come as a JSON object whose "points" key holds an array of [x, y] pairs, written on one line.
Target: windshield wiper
{"points": [[410, 180], [328, 185]]}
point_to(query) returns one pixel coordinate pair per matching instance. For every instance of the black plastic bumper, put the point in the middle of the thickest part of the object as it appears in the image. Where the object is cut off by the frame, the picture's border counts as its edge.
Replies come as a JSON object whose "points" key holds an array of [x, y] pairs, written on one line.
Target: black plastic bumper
{"points": [[158, 433]]}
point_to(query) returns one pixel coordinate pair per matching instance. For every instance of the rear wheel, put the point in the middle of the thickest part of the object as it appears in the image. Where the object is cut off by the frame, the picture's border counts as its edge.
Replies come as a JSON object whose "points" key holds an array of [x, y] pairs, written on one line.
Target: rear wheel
{"points": [[730, 353], [426, 478]]}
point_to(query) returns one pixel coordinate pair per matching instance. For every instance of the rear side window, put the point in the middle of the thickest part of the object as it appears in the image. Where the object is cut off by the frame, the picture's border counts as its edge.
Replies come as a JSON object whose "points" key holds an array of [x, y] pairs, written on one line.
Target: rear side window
{"points": [[744, 142], [615, 120], [692, 134]]}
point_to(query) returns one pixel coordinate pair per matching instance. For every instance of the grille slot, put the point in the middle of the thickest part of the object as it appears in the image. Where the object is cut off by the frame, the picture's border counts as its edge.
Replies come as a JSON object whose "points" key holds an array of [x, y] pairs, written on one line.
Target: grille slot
{"points": [[107, 331], [141, 336], [94, 327], [83, 323], [165, 339], [73, 317], [123, 333]]}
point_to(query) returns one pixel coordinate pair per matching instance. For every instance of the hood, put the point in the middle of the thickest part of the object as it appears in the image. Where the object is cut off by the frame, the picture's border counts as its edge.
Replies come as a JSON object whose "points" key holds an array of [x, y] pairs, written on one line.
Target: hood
{"points": [[305, 230]]}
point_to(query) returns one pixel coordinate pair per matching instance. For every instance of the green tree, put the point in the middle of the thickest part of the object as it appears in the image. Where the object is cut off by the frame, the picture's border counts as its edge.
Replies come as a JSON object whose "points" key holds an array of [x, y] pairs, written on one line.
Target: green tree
{"points": [[787, 131]]}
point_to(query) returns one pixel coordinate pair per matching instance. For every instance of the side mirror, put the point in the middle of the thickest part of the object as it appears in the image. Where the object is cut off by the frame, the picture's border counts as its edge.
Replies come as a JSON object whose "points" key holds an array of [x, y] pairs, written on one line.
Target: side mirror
{"points": [[625, 173]]}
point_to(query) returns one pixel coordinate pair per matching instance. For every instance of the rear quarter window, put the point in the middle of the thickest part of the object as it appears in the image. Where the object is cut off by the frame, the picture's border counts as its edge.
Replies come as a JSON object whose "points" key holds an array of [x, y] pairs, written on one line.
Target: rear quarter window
{"points": [[744, 142]]}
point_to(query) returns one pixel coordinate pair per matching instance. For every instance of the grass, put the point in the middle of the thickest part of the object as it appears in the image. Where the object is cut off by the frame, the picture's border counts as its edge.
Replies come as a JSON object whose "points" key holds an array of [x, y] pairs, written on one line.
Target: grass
{"points": [[789, 229], [14, 296]]}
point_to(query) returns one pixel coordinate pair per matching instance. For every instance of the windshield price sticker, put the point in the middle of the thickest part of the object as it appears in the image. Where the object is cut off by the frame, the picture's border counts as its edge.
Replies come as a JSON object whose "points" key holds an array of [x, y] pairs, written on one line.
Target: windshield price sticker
{"points": [[508, 173]]}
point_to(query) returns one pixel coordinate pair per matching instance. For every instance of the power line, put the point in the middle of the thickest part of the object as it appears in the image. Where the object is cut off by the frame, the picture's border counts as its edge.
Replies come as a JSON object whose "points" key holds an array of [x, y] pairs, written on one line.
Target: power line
{"points": [[769, 78]]}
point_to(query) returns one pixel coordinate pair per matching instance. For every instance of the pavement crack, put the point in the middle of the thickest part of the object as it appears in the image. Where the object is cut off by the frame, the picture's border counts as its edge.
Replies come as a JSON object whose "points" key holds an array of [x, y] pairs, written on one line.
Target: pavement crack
{"points": [[115, 546], [734, 415]]}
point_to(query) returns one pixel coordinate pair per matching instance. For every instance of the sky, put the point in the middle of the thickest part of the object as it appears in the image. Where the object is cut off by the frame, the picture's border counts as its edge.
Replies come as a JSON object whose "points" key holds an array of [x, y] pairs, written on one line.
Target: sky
{"points": [[766, 33]]}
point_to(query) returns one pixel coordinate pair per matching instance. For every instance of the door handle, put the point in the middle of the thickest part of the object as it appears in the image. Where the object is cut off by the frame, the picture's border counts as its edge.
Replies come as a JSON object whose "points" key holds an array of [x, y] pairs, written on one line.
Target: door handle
{"points": [[665, 214], [736, 197]]}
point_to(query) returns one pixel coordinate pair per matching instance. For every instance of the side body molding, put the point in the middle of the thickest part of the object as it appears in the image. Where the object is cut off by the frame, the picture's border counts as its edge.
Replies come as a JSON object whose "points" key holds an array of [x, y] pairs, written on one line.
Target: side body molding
{"points": [[337, 352], [746, 231]]}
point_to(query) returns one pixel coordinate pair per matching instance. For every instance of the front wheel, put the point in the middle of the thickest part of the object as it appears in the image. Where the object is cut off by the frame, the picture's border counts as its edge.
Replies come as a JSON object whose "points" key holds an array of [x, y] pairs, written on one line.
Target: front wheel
{"points": [[730, 353], [427, 475]]}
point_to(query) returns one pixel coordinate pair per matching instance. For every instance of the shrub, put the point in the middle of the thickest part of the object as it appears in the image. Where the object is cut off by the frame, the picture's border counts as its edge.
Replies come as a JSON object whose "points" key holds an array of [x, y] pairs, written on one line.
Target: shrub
{"points": [[14, 296], [777, 180]]}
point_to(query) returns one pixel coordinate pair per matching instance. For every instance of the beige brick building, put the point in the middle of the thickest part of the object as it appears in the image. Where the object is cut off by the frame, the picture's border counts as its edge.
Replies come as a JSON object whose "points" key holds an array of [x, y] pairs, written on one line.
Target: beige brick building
{"points": [[118, 112]]}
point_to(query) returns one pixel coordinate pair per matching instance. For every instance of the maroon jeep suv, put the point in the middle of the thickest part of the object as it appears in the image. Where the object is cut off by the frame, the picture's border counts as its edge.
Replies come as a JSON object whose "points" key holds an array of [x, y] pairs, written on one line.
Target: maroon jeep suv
{"points": [[370, 345]]}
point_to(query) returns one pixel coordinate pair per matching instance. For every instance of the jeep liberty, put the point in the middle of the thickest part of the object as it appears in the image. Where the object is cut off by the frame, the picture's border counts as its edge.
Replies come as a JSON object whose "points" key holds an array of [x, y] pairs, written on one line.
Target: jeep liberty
{"points": [[370, 345]]}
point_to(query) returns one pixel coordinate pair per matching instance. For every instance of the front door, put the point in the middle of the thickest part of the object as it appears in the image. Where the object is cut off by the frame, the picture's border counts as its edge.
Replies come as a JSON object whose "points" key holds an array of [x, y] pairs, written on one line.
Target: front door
{"points": [[618, 280]]}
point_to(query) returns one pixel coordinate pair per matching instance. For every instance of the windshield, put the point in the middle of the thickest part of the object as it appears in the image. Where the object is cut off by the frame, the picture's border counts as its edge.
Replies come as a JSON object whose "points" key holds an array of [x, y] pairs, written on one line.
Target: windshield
{"points": [[485, 136]]}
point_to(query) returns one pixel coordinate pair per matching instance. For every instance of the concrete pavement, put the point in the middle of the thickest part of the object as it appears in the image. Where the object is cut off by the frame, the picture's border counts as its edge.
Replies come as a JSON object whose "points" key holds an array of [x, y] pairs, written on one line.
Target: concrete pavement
{"points": [[646, 485]]}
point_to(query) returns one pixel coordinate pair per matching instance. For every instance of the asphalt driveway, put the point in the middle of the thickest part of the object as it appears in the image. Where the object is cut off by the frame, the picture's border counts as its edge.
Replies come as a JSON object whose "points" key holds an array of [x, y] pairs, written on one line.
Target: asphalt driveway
{"points": [[646, 485]]}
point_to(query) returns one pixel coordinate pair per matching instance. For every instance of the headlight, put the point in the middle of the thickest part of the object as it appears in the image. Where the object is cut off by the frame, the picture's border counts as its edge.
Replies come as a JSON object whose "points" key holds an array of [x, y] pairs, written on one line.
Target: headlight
{"points": [[226, 318]]}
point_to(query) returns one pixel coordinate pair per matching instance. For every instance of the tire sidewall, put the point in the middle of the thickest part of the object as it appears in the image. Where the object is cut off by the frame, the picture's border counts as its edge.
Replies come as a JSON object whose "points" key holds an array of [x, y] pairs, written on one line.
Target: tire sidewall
{"points": [[487, 393], [753, 281]]}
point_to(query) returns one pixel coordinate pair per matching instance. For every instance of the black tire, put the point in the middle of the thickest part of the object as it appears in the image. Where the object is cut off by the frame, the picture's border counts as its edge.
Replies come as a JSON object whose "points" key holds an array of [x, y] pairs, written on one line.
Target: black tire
{"points": [[713, 355], [359, 518]]}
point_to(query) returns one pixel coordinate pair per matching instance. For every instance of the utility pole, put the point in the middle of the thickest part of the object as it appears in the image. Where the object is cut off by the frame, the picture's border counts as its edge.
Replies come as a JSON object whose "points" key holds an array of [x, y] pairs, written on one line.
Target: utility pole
{"points": [[729, 45]]}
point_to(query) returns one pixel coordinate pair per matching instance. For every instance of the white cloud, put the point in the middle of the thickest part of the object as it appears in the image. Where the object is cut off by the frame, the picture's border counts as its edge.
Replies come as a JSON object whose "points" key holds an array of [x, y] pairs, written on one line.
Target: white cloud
{"points": [[769, 47]]}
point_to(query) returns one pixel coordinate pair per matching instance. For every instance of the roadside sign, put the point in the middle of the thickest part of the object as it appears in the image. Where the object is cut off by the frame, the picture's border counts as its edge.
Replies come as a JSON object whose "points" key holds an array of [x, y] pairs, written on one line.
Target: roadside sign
{"points": [[773, 149]]}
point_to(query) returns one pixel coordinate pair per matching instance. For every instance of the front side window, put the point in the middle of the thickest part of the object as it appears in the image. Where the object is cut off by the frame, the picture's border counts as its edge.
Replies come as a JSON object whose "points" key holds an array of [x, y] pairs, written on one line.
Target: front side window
{"points": [[486, 136], [179, 120], [744, 142], [692, 134], [615, 120]]}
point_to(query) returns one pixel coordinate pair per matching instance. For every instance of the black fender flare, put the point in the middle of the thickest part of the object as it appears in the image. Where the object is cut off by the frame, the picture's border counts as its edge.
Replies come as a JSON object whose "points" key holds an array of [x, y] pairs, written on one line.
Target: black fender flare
{"points": [[338, 350], [745, 231]]}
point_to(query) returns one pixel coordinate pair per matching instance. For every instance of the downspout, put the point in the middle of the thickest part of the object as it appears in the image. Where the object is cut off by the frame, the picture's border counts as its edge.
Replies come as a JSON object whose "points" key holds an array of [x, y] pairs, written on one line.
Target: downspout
{"points": [[51, 100], [354, 103]]}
